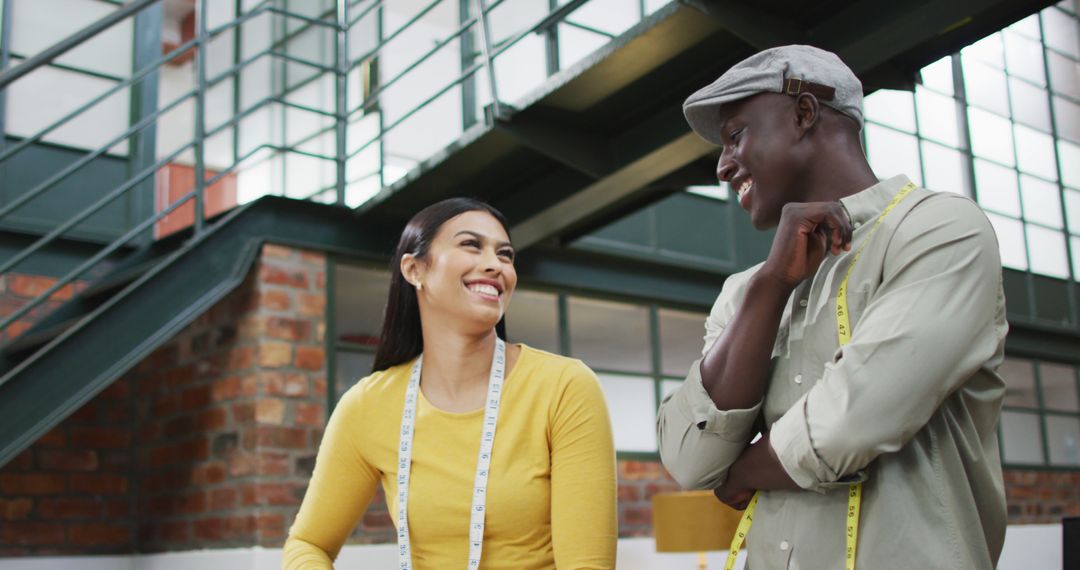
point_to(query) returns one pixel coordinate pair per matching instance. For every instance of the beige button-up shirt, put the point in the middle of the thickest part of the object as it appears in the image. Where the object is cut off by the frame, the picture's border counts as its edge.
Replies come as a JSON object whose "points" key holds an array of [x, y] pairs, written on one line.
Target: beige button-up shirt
{"points": [[910, 405]]}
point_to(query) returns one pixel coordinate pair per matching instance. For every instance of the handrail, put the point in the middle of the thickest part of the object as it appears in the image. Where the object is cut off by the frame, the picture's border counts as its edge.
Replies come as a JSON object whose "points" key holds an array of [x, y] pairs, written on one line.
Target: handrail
{"points": [[72, 41]]}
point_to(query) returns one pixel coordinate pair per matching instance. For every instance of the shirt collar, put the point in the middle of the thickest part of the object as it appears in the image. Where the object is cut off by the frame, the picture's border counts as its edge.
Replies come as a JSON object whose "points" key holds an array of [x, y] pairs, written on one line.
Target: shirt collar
{"points": [[864, 205]]}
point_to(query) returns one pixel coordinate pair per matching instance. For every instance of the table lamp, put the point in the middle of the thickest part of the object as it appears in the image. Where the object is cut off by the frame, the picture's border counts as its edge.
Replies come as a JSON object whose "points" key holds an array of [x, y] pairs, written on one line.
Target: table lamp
{"points": [[693, 521]]}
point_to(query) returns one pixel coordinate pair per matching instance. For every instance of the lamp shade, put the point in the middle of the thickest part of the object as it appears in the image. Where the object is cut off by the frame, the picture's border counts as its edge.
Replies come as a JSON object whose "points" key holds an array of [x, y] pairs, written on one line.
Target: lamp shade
{"points": [[692, 521]]}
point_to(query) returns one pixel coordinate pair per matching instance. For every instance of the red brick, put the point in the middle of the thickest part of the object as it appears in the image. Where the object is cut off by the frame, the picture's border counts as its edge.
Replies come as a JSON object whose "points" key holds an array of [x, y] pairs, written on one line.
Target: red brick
{"points": [[286, 328], [635, 516], [270, 411], [213, 529], [277, 494], [31, 533], [227, 388], [658, 488], [278, 275], [117, 509], [175, 531], [101, 438], [15, 509], [275, 354], [57, 436], [240, 358], [99, 484], [101, 534], [210, 473], [243, 413], [34, 285], [195, 398], [212, 420], [193, 503], [276, 383], [309, 414], [311, 305], [21, 462], [69, 508], [320, 280], [274, 300], [313, 257], [223, 499], [310, 357], [318, 386], [166, 405], [118, 390], [273, 464], [13, 484], [178, 377], [629, 493], [86, 414], [271, 525], [241, 465], [278, 251], [282, 437], [377, 520]]}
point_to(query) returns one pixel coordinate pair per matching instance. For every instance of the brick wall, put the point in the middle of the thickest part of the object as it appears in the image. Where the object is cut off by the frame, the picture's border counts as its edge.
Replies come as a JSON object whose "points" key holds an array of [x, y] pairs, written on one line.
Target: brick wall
{"points": [[208, 442], [18, 289], [1042, 496]]}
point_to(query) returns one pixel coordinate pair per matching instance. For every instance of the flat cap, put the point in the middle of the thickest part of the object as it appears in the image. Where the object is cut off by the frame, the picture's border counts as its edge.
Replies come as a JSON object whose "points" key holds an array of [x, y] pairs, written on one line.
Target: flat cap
{"points": [[790, 69]]}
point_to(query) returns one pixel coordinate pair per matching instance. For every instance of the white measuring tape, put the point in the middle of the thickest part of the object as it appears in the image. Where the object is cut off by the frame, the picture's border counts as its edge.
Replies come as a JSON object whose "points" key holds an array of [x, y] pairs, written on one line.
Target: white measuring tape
{"points": [[483, 462]]}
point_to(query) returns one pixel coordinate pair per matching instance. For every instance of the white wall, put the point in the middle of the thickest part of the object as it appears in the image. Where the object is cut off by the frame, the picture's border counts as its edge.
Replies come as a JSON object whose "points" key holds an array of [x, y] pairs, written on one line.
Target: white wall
{"points": [[1027, 547]]}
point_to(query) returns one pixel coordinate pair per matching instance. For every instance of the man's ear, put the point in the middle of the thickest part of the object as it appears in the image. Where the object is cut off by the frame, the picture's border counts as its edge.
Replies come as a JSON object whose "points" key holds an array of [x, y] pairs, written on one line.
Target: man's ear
{"points": [[411, 269], [807, 112]]}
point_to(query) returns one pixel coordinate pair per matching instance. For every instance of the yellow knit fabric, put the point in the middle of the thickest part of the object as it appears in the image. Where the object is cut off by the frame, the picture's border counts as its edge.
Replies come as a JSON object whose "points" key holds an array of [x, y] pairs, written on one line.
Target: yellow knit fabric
{"points": [[551, 495]]}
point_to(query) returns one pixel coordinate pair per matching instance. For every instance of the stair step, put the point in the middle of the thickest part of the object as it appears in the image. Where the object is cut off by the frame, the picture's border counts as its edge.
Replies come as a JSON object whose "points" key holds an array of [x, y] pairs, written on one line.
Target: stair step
{"points": [[117, 280], [33, 339]]}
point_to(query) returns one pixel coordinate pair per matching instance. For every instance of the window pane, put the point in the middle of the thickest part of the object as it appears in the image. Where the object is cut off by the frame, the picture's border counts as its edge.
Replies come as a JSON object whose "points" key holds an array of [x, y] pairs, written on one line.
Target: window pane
{"points": [[1064, 75], [988, 50], [1021, 438], [893, 108], [1060, 32], [1047, 250], [1063, 434], [1010, 234], [944, 168], [1024, 57], [1058, 382], [1067, 119], [1069, 160], [996, 188], [1028, 27], [1019, 378], [1035, 152], [576, 43], [631, 402], [668, 386], [351, 368], [1042, 202], [533, 319], [610, 16], [1072, 209], [681, 338], [991, 136], [938, 75], [1030, 104], [38, 25], [985, 87], [937, 117], [359, 302], [892, 152], [610, 336]]}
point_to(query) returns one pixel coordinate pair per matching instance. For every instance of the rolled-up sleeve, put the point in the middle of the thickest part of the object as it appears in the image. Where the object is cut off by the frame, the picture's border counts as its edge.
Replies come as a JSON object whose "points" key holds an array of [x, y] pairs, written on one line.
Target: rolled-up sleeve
{"points": [[699, 442], [929, 327]]}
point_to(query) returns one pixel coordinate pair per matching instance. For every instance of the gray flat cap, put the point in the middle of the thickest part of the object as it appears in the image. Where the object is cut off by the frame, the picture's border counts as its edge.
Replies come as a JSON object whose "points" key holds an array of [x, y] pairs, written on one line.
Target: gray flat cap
{"points": [[791, 69]]}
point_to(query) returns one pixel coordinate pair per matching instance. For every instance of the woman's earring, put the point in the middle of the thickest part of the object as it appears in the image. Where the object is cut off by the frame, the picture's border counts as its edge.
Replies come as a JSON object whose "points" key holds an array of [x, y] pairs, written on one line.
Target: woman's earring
{"points": [[419, 286]]}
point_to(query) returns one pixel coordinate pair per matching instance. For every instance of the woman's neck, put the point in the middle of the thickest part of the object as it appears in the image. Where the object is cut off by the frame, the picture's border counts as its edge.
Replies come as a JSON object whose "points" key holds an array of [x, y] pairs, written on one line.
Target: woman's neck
{"points": [[456, 364]]}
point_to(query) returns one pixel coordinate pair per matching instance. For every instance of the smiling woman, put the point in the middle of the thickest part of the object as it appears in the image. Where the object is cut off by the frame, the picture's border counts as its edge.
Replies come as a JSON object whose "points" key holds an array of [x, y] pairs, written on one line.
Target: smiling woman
{"points": [[424, 424]]}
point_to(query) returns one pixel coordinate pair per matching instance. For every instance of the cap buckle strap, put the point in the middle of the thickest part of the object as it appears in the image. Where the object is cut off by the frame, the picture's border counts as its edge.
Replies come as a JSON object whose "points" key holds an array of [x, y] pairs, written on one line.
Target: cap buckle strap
{"points": [[794, 86]]}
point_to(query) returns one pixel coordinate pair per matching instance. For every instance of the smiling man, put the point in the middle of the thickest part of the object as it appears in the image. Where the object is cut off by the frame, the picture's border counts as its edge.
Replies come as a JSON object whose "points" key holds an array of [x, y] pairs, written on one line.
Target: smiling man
{"points": [[864, 349]]}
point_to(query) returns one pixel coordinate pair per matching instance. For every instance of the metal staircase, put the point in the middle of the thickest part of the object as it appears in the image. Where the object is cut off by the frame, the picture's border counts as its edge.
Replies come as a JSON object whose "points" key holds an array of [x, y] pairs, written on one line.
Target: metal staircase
{"points": [[593, 141]]}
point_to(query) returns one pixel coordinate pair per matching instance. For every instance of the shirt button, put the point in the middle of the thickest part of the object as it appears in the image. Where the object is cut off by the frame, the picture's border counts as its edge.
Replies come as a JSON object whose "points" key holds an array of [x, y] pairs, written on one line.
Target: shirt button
{"points": [[798, 378], [802, 303], [784, 545]]}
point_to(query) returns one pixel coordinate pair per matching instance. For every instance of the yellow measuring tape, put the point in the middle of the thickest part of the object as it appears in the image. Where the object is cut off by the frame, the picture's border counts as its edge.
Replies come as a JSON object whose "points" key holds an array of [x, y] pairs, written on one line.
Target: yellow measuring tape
{"points": [[843, 331]]}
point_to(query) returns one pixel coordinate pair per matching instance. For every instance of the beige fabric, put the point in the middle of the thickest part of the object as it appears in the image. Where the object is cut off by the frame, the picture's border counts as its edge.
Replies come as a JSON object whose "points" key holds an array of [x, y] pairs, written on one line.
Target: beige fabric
{"points": [[911, 405]]}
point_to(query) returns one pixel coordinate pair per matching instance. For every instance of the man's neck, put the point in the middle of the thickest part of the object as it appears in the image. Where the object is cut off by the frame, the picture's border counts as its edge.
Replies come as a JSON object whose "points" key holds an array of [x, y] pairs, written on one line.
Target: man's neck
{"points": [[839, 175]]}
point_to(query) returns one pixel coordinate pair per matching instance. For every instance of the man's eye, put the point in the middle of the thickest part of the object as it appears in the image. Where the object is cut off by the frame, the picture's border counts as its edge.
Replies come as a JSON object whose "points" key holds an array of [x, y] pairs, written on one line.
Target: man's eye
{"points": [[735, 135]]}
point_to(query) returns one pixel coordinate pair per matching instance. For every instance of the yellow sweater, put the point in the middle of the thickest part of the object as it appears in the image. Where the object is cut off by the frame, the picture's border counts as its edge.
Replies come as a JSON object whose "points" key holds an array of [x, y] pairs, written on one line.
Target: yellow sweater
{"points": [[551, 496]]}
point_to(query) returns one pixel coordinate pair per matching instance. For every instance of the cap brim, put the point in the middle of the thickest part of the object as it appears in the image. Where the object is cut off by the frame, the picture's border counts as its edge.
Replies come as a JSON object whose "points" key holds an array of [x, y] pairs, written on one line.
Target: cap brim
{"points": [[704, 117]]}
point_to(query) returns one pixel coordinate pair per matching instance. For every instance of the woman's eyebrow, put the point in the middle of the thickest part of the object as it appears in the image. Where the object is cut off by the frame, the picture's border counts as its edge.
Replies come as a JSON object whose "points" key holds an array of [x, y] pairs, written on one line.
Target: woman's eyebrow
{"points": [[482, 237]]}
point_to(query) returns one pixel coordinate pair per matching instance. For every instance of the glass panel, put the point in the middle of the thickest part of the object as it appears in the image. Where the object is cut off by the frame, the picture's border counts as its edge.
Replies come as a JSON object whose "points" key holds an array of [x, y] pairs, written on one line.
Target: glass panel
{"points": [[609, 335], [937, 117], [668, 386], [681, 338], [1060, 32], [1047, 250], [1058, 382], [351, 368], [1028, 27], [359, 302], [1019, 378], [892, 108], [944, 168], [576, 43], [1024, 57], [988, 50], [518, 71], [1021, 438], [892, 152], [1072, 209], [37, 25], [996, 188], [1063, 434], [991, 136], [1064, 75], [1010, 235], [938, 75], [1069, 160], [1035, 152], [1067, 119], [631, 402], [533, 318], [1030, 104], [1042, 202], [985, 87]]}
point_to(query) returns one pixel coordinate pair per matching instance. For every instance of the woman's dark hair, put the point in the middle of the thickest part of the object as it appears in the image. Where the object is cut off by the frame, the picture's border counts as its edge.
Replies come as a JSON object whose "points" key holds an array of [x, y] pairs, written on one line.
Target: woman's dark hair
{"points": [[401, 339]]}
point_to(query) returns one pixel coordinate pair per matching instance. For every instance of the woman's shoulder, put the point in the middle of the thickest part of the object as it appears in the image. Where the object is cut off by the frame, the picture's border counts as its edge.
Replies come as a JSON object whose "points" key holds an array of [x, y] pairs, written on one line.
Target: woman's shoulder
{"points": [[554, 368], [379, 385]]}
